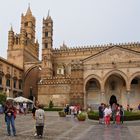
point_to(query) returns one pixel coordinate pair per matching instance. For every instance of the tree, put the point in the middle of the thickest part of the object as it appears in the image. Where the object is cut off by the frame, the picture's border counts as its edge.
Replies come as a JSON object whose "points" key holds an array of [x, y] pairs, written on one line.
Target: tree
{"points": [[2, 98], [51, 104]]}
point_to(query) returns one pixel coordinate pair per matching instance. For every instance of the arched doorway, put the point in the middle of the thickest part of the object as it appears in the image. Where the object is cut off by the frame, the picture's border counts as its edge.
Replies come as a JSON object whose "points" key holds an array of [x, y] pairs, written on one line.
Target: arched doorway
{"points": [[134, 96], [93, 93], [31, 78], [115, 87], [112, 100]]}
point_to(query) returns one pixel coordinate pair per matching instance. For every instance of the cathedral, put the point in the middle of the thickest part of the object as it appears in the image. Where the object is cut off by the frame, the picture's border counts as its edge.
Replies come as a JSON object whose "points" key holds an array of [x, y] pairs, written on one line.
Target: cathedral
{"points": [[86, 75]]}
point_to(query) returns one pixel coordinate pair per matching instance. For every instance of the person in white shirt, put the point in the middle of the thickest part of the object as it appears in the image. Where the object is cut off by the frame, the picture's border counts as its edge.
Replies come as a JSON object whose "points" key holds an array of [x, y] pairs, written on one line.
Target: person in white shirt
{"points": [[107, 114], [25, 107], [40, 120]]}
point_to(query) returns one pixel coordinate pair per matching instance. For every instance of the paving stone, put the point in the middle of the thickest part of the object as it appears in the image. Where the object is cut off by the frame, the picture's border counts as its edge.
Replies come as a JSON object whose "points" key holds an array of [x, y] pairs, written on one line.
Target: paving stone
{"points": [[69, 128]]}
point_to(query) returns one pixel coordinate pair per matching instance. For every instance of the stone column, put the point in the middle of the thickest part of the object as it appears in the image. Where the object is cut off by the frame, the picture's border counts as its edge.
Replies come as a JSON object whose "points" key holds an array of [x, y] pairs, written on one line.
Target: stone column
{"points": [[128, 97], [102, 96], [85, 101]]}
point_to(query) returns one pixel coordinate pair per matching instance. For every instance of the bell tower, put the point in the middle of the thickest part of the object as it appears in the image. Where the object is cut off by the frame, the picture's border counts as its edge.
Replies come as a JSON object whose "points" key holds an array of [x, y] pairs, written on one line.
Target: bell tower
{"points": [[23, 47], [28, 24], [47, 44]]}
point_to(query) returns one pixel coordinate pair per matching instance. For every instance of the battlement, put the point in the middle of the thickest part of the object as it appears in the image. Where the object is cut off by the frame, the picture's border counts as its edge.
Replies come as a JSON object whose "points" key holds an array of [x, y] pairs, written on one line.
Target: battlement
{"points": [[95, 47]]}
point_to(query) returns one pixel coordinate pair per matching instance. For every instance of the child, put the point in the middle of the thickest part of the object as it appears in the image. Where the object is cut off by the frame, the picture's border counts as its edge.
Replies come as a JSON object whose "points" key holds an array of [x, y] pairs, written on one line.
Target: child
{"points": [[40, 117]]}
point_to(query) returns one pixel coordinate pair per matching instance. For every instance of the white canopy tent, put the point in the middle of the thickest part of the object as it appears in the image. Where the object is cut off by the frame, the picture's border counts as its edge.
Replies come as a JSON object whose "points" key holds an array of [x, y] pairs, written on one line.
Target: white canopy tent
{"points": [[9, 98], [21, 99]]}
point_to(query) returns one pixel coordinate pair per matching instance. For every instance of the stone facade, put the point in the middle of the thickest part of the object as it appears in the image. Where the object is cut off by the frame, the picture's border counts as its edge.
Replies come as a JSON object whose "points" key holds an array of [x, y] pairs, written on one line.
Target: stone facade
{"points": [[94, 74], [85, 75], [11, 79]]}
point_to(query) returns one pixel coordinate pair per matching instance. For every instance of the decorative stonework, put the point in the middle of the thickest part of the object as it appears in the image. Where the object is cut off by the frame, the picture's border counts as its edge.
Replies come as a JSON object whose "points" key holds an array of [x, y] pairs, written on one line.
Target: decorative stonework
{"points": [[63, 73]]}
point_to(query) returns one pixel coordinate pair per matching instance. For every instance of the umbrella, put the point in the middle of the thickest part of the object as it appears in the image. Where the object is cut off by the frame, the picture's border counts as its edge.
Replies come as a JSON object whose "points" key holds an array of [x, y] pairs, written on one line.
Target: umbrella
{"points": [[21, 99], [9, 98]]}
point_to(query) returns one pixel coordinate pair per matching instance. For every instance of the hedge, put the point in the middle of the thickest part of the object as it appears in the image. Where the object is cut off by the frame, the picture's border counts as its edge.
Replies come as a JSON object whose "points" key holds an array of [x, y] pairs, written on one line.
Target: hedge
{"points": [[53, 109], [2, 98], [129, 116]]}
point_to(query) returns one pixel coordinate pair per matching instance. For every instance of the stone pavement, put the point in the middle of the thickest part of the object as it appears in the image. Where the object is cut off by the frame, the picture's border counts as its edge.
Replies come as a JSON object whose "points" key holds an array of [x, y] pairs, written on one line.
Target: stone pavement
{"points": [[69, 128]]}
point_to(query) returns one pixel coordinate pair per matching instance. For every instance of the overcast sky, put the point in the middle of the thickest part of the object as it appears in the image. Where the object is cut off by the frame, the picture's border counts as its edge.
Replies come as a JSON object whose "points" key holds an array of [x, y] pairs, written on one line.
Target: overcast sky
{"points": [[77, 22]]}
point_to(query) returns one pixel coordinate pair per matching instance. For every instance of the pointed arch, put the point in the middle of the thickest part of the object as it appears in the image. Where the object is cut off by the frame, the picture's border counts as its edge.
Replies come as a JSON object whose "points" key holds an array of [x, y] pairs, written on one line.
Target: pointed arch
{"points": [[28, 71], [92, 76], [115, 72], [133, 76]]}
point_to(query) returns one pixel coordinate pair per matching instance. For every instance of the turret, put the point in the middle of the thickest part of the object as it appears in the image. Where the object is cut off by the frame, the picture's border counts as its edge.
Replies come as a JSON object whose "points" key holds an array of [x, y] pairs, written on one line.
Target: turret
{"points": [[47, 44], [23, 38], [10, 39], [47, 35], [23, 45], [28, 24]]}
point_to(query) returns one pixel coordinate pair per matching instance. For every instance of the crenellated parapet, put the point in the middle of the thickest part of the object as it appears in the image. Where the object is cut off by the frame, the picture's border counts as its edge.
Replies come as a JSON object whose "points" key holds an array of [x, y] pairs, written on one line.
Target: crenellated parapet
{"points": [[92, 49]]}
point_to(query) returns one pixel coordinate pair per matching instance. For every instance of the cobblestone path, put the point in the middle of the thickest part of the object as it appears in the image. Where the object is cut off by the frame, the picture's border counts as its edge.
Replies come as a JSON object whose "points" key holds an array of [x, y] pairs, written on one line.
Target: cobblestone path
{"points": [[69, 128]]}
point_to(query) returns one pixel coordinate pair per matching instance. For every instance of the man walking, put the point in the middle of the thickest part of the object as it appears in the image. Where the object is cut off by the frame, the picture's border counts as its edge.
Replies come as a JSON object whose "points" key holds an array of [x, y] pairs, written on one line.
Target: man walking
{"points": [[9, 117]]}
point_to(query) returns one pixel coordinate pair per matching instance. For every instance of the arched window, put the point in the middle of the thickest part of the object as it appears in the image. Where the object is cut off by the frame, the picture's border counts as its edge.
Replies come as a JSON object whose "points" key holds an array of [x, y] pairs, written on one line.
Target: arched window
{"points": [[60, 70], [46, 34], [14, 83], [8, 82], [20, 84], [134, 81], [113, 85], [0, 80], [16, 40], [46, 45], [26, 24]]}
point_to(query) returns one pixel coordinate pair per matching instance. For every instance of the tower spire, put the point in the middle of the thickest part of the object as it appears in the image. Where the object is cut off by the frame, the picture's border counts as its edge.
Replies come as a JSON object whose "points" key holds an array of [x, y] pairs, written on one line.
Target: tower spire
{"points": [[48, 16], [48, 13], [11, 28], [29, 10]]}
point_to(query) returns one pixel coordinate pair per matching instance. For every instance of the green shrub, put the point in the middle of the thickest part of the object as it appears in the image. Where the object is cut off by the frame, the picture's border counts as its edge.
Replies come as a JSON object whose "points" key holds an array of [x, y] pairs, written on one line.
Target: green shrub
{"points": [[62, 114], [128, 116], [53, 109], [81, 116], [2, 98], [93, 115]]}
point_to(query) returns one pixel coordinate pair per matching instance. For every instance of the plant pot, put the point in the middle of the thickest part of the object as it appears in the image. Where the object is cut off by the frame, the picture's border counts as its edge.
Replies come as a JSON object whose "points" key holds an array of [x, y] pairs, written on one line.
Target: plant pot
{"points": [[62, 114], [81, 119]]}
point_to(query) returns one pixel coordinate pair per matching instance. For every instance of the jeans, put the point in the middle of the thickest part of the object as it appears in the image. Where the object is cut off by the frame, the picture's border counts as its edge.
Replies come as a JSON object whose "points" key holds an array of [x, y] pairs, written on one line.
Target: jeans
{"points": [[10, 121]]}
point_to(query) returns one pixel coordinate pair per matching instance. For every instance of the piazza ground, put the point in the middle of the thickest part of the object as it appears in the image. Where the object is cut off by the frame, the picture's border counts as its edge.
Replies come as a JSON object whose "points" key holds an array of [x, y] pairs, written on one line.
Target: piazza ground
{"points": [[69, 128]]}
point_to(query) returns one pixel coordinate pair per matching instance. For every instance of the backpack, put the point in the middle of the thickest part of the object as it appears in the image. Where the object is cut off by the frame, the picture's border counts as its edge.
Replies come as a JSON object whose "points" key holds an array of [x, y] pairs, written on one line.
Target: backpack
{"points": [[40, 118]]}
